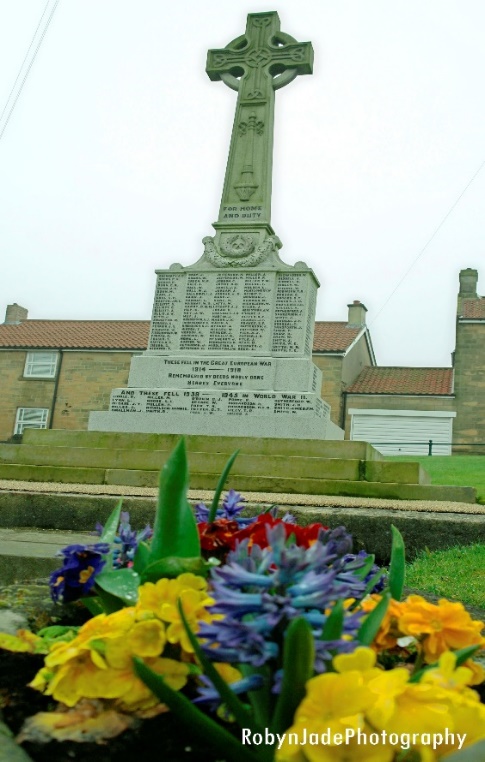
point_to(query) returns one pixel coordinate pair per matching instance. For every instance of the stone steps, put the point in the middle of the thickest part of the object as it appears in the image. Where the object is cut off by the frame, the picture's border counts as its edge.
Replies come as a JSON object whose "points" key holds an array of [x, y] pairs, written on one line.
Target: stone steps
{"points": [[263, 465], [206, 444]]}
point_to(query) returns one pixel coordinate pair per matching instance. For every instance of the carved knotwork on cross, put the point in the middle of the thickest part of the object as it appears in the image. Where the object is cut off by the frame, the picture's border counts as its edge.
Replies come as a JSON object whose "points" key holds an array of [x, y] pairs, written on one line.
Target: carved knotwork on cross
{"points": [[255, 64]]}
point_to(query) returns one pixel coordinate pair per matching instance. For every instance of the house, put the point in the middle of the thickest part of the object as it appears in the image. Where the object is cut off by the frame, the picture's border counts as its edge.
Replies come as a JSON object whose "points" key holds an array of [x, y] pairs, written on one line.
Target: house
{"points": [[55, 372], [399, 410], [342, 350], [402, 410]]}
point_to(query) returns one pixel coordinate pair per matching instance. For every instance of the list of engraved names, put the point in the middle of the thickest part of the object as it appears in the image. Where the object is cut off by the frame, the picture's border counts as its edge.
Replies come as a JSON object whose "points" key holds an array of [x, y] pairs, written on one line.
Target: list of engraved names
{"points": [[255, 311], [208, 402]]}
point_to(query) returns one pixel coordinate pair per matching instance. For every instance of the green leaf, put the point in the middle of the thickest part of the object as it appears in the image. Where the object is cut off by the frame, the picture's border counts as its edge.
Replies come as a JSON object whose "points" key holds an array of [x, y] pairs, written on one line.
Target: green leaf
{"points": [[241, 714], [361, 571], [109, 533], [298, 665], [142, 557], [220, 486], [397, 568], [193, 719], [122, 583], [373, 582], [262, 700], [109, 603], [332, 629], [370, 626], [112, 524], [57, 633], [93, 605], [175, 532], [172, 566]]}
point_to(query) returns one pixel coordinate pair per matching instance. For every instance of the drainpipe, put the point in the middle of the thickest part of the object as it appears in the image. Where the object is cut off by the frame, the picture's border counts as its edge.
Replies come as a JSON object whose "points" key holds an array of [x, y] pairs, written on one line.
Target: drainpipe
{"points": [[344, 411], [56, 387]]}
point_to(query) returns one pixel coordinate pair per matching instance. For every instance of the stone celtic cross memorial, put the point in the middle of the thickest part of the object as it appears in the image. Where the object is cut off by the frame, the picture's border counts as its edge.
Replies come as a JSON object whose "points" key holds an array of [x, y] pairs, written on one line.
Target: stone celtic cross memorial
{"points": [[231, 336]]}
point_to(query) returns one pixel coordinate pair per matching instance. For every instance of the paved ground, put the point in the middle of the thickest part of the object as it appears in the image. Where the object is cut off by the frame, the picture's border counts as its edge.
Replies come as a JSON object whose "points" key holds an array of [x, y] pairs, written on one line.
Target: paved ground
{"points": [[251, 497]]}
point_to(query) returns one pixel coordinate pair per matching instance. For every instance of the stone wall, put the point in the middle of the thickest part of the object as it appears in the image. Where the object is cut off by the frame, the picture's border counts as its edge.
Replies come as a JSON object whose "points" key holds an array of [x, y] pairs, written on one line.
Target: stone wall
{"points": [[469, 368], [85, 383], [338, 372], [18, 391], [331, 367]]}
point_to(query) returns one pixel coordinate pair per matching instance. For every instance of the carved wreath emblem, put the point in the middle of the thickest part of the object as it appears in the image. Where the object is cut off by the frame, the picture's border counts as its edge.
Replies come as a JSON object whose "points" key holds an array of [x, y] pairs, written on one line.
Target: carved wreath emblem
{"points": [[239, 250]]}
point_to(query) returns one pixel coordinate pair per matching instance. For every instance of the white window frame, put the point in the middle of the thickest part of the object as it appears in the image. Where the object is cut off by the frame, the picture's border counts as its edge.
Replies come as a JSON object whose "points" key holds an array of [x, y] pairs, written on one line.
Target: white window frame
{"points": [[31, 418], [40, 365]]}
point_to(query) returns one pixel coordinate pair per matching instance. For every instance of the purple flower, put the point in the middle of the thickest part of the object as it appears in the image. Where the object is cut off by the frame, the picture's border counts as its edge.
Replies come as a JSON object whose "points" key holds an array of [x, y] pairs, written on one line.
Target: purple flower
{"points": [[127, 538], [201, 513], [76, 577], [259, 591], [362, 556], [209, 695], [232, 505]]}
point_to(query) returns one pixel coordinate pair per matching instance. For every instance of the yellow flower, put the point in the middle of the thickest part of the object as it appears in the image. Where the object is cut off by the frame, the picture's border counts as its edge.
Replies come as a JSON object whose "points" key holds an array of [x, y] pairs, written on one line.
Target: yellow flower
{"points": [[361, 699], [97, 663], [478, 672], [229, 673], [146, 638], [448, 675], [162, 598], [439, 627]]}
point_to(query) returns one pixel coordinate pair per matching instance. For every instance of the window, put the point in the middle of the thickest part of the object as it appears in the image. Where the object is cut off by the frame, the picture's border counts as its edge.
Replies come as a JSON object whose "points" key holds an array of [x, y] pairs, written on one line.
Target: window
{"points": [[31, 418], [40, 365]]}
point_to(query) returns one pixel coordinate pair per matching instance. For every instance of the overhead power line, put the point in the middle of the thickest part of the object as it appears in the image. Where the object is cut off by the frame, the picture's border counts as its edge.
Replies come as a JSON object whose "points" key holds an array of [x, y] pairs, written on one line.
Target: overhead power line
{"points": [[27, 64], [411, 266]]}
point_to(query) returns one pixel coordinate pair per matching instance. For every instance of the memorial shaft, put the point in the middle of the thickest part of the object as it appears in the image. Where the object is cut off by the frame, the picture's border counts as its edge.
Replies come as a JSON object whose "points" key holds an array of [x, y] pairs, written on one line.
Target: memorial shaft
{"points": [[255, 64]]}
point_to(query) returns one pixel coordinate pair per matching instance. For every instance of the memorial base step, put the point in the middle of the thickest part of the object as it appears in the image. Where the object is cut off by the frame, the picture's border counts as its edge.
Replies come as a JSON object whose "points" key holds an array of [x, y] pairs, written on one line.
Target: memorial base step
{"points": [[263, 465]]}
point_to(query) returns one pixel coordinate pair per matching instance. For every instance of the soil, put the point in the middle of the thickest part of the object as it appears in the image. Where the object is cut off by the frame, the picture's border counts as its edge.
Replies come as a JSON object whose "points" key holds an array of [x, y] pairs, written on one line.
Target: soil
{"points": [[161, 739]]}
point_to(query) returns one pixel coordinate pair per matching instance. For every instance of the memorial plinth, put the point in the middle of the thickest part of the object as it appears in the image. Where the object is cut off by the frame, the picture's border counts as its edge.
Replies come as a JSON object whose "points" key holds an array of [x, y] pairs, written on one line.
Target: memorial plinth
{"points": [[231, 336]]}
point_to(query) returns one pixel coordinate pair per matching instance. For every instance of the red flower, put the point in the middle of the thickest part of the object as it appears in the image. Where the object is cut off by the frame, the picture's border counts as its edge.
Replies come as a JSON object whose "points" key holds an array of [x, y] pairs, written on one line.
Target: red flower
{"points": [[218, 535], [304, 536], [221, 535]]}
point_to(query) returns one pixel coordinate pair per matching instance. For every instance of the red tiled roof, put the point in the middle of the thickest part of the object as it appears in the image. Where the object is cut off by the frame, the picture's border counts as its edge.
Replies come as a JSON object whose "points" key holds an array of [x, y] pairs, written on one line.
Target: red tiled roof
{"points": [[473, 309], [434, 381], [76, 334], [334, 336], [130, 334]]}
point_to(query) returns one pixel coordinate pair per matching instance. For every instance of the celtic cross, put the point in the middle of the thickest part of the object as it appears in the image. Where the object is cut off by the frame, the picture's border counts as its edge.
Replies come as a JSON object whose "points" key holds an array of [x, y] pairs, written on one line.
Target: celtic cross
{"points": [[255, 64]]}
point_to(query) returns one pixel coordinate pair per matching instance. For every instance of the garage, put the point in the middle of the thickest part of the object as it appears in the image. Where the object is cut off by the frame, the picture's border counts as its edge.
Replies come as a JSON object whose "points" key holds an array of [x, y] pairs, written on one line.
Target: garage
{"points": [[403, 432]]}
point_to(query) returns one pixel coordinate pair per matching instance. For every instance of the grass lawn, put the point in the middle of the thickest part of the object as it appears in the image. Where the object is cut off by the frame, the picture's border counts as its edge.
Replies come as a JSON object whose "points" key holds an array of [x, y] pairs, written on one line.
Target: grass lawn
{"points": [[459, 470], [457, 573]]}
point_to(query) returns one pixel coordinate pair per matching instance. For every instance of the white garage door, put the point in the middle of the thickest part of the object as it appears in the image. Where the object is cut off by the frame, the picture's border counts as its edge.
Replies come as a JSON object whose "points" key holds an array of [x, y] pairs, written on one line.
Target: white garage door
{"points": [[403, 432]]}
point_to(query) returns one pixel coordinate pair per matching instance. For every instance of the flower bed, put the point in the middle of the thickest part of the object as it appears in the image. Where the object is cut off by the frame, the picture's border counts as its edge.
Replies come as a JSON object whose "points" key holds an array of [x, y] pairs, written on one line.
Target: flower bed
{"points": [[267, 640]]}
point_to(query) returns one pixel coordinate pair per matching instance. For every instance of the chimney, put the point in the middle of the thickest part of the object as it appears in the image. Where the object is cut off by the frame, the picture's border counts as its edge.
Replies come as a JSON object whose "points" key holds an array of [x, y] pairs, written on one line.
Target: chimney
{"points": [[357, 312], [15, 314], [468, 283], [468, 286]]}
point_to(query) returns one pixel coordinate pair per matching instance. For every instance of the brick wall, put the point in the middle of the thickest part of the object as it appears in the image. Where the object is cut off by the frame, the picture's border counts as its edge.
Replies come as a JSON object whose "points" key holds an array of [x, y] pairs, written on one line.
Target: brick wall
{"points": [[470, 385]]}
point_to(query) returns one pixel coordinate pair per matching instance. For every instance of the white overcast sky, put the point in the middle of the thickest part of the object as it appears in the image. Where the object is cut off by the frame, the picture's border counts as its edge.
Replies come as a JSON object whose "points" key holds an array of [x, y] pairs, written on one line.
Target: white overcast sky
{"points": [[112, 163]]}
